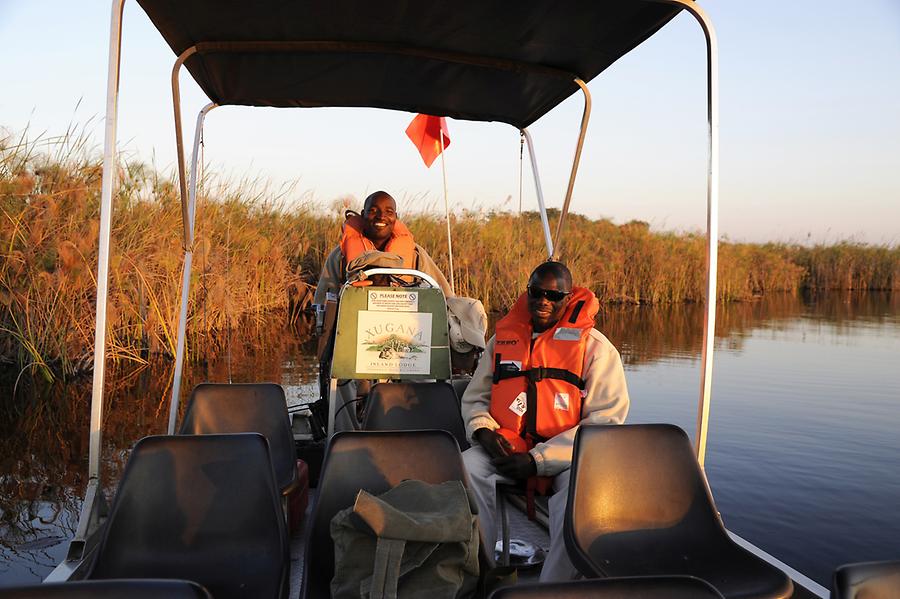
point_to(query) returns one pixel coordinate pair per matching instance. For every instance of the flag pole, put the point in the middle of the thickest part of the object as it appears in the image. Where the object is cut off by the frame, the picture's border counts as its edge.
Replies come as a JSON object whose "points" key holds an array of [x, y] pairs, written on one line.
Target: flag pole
{"points": [[447, 210], [521, 156]]}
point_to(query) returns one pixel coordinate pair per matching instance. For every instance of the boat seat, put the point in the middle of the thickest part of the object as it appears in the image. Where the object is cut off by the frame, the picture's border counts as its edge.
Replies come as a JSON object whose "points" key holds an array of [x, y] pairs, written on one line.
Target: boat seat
{"points": [[375, 461], [110, 589], [247, 408], [459, 387], [639, 505], [866, 580], [643, 587], [415, 406], [198, 507]]}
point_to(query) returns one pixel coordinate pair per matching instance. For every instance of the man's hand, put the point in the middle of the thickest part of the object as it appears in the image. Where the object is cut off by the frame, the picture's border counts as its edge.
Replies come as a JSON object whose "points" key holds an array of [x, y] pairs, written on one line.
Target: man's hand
{"points": [[493, 443], [518, 466]]}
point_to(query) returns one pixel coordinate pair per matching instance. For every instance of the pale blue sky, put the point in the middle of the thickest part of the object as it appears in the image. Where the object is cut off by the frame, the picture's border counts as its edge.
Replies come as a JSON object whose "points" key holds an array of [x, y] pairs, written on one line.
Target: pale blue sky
{"points": [[810, 122]]}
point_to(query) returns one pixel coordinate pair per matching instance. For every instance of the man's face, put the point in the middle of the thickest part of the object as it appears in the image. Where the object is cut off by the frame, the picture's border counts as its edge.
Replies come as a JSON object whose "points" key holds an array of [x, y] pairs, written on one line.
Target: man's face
{"points": [[380, 214], [546, 311]]}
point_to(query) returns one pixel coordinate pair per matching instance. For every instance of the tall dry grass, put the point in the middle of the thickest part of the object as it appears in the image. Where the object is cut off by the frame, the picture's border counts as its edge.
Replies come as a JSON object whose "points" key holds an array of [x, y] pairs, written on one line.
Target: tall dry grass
{"points": [[249, 258], [254, 253]]}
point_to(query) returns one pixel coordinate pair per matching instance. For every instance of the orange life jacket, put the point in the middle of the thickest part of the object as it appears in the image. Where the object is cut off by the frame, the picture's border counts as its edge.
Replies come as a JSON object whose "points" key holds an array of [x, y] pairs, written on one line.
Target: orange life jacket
{"points": [[354, 242], [537, 390]]}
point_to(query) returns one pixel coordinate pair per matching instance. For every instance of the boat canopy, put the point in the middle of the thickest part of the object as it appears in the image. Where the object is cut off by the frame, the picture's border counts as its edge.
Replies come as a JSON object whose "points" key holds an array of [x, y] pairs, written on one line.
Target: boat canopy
{"points": [[485, 60]]}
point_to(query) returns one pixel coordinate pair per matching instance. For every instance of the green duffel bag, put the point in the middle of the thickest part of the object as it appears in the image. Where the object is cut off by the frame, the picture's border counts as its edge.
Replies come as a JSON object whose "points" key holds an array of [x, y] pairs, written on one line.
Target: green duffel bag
{"points": [[417, 540]]}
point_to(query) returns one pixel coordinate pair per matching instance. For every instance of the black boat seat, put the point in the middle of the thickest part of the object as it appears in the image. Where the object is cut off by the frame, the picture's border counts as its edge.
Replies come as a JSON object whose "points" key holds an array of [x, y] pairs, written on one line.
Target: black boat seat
{"points": [[415, 406], [639, 505], [246, 408], [375, 461], [109, 589], [867, 580], [643, 587], [459, 387], [202, 508]]}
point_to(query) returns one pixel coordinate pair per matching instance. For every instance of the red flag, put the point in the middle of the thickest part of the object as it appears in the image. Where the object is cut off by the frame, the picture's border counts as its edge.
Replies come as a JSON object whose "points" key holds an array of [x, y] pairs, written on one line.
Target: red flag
{"points": [[425, 131]]}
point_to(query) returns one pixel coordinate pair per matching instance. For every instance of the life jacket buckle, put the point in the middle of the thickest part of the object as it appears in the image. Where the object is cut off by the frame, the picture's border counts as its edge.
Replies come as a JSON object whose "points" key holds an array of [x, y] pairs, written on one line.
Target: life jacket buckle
{"points": [[537, 374]]}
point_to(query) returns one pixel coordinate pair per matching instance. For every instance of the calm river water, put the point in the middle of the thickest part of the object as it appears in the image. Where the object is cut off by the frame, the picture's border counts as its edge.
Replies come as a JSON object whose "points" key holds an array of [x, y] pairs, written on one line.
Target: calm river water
{"points": [[803, 456]]}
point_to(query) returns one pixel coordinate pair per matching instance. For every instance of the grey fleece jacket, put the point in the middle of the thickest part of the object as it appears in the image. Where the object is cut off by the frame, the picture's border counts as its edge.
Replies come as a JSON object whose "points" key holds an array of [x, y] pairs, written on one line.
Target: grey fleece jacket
{"points": [[606, 401]]}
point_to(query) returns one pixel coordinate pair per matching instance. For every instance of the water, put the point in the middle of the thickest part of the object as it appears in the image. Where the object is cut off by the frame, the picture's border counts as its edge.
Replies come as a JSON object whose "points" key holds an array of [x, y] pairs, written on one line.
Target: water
{"points": [[803, 451]]}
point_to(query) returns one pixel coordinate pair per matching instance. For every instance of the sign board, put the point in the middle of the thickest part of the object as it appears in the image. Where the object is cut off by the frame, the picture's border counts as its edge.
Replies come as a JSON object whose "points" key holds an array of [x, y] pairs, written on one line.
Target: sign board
{"points": [[393, 342], [391, 333]]}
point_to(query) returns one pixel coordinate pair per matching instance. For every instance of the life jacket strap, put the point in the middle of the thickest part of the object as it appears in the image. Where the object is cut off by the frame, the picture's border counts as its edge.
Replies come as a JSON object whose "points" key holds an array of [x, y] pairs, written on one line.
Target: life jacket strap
{"points": [[537, 374]]}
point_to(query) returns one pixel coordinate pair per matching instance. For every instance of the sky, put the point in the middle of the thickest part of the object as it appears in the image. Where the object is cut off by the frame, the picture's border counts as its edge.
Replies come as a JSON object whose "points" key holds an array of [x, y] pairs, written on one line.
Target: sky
{"points": [[810, 123]]}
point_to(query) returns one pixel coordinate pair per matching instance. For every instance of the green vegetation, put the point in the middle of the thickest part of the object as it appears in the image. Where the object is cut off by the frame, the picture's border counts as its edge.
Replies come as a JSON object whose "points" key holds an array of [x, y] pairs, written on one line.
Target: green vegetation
{"points": [[254, 254]]}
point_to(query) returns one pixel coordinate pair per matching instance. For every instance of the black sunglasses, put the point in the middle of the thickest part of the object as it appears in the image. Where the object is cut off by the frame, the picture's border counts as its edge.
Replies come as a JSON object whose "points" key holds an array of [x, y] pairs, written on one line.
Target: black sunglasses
{"points": [[551, 294]]}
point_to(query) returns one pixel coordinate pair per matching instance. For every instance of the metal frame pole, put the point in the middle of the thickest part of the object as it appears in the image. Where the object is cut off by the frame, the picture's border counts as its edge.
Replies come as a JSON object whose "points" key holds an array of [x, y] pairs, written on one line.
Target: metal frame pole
{"points": [[89, 511], [179, 144], [186, 273], [585, 118], [548, 240], [712, 221]]}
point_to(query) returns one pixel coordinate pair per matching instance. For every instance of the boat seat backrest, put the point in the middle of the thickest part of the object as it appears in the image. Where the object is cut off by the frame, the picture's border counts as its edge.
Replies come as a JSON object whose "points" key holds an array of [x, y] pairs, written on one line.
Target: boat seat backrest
{"points": [[109, 589], [415, 406], [643, 587], [202, 508], [867, 580], [246, 408], [374, 461], [366, 318], [639, 505], [459, 387], [640, 478]]}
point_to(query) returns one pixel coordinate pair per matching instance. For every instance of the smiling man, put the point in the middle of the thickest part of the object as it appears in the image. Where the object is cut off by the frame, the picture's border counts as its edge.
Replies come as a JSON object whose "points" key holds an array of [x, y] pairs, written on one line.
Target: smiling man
{"points": [[550, 371], [376, 228]]}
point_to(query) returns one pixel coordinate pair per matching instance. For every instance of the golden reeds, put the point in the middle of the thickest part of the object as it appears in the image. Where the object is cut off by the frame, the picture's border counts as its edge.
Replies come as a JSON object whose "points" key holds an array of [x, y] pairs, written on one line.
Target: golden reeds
{"points": [[253, 253]]}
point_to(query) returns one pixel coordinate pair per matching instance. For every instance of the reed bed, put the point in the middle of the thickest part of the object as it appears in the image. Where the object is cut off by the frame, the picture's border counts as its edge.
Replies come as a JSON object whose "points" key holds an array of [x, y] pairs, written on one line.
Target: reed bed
{"points": [[255, 253]]}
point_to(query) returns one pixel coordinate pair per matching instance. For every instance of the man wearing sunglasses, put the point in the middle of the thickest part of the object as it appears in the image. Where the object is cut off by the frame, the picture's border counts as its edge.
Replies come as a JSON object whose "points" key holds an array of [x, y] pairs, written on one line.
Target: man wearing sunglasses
{"points": [[546, 371]]}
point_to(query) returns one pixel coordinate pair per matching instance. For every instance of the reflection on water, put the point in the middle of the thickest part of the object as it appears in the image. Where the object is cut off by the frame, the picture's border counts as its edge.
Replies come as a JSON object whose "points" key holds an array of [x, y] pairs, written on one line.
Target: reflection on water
{"points": [[802, 455]]}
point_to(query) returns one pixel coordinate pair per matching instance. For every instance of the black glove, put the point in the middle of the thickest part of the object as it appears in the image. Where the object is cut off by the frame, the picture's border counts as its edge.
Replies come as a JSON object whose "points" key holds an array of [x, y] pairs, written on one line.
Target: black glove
{"points": [[493, 443], [518, 466]]}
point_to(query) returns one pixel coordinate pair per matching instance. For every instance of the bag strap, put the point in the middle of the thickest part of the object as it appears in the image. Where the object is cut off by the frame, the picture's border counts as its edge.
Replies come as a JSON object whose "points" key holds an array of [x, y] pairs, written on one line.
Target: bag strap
{"points": [[385, 571]]}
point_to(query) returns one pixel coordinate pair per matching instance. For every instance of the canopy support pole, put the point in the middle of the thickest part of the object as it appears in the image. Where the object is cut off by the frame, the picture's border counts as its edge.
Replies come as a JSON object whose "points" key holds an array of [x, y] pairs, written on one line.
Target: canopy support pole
{"points": [[548, 240], [585, 118], [88, 520], [179, 145], [712, 221], [186, 273]]}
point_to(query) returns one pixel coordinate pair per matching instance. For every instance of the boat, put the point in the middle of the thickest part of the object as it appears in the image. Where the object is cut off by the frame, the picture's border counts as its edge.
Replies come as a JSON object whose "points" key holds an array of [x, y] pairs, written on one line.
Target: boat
{"points": [[479, 61]]}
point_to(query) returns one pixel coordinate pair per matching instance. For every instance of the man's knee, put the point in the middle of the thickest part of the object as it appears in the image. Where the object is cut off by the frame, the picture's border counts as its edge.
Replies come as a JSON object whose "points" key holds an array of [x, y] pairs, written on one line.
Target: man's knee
{"points": [[477, 461]]}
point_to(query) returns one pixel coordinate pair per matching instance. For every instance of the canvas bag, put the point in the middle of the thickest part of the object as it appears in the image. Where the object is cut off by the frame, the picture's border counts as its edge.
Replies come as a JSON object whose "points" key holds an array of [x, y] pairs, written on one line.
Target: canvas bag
{"points": [[417, 540]]}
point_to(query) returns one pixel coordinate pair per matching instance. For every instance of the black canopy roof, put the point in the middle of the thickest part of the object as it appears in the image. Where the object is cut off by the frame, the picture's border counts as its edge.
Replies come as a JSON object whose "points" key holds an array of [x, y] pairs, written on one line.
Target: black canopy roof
{"points": [[484, 60]]}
